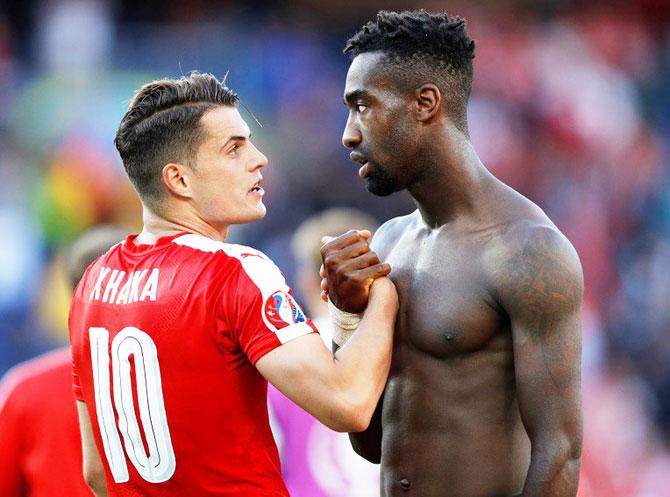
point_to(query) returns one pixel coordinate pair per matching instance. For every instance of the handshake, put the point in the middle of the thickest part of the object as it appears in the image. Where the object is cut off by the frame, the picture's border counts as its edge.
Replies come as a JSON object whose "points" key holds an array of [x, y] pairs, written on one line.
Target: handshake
{"points": [[352, 274]]}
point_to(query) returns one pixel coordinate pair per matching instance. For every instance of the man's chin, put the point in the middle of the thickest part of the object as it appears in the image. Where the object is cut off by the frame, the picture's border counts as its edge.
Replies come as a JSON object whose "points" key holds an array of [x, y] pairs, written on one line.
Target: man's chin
{"points": [[261, 212], [379, 190], [257, 214]]}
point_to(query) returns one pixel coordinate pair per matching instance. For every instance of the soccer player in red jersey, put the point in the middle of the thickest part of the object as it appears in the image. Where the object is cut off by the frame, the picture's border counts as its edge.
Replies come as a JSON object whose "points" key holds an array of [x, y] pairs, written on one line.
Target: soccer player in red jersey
{"points": [[40, 451], [174, 332]]}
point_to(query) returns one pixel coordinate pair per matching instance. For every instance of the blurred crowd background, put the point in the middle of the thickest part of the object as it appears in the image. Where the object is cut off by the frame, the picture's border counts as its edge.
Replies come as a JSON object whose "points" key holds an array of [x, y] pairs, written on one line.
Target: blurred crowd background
{"points": [[571, 106]]}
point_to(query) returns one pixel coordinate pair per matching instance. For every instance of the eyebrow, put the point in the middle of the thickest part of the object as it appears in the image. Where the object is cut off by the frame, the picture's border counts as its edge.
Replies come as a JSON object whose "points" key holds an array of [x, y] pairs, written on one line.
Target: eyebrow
{"points": [[354, 95], [235, 138]]}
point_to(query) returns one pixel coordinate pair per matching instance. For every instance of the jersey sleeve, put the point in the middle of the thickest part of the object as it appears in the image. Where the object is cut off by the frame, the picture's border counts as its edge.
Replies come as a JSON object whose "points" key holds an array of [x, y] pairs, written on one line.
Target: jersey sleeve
{"points": [[76, 385], [264, 312], [11, 440], [74, 338]]}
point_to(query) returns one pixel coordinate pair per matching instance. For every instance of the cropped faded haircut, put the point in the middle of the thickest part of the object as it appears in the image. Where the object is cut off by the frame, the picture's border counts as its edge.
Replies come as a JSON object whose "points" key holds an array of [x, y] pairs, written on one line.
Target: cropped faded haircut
{"points": [[162, 125], [306, 241], [87, 248], [419, 48]]}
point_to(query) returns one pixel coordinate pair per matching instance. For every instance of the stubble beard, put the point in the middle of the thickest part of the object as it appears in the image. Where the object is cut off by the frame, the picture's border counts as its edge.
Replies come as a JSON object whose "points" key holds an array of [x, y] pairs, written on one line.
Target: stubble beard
{"points": [[381, 183]]}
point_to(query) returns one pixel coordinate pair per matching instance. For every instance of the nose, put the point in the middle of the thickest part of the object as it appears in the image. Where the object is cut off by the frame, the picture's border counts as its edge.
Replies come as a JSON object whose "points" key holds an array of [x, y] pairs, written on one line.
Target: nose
{"points": [[260, 160], [351, 135]]}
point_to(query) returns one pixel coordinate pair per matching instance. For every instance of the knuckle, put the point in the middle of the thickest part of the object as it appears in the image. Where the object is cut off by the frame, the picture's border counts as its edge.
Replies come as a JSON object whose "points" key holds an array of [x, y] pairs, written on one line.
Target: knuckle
{"points": [[325, 250], [330, 262], [362, 246], [351, 236], [372, 257]]}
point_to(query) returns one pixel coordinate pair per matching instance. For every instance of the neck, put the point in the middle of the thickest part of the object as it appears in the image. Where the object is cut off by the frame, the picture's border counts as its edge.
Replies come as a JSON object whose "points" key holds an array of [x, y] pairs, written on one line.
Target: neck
{"points": [[160, 225], [453, 181]]}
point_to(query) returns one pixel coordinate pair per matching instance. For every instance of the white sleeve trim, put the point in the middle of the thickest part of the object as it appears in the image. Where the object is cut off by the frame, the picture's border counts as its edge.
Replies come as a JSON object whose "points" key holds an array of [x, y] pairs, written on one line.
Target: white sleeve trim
{"points": [[292, 332]]}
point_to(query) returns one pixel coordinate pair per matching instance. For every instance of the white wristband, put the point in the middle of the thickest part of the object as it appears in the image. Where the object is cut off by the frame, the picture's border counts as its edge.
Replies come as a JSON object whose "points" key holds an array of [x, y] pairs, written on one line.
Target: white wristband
{"points": [[345, 323]]}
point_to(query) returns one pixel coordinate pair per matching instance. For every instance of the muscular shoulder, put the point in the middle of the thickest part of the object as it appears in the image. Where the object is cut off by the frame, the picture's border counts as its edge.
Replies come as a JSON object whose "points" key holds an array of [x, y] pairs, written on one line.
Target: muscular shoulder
{"points": [[390, 232], [534, 267]]}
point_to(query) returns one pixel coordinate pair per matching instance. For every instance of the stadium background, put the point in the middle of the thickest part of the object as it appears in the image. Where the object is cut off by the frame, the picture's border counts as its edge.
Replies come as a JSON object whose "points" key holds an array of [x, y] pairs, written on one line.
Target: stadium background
{"points": [[571, 106]]}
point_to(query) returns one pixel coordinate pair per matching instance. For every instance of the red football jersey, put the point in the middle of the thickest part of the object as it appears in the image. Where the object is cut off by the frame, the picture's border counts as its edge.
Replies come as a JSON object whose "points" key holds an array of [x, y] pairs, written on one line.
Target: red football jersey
{"points": [[164, 342], [40, 446]]}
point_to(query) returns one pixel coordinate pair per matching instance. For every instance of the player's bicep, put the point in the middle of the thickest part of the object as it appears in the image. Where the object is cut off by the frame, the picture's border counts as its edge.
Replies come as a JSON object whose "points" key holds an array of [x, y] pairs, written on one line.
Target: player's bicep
{"points": [[306, 372], [541, 291], [300, 369], [261, 311], [93, 469], [547, 368]]}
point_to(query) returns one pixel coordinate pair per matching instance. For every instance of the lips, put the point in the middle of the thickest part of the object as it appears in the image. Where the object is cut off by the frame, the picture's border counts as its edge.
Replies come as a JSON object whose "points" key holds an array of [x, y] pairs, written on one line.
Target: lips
{"points": [[361, 159], [257, 188], [358, 157]]}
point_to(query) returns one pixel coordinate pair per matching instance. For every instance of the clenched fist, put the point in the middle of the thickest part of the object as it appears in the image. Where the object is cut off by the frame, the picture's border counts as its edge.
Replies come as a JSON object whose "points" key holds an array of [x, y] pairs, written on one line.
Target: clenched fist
{"points": [[349, 268]]}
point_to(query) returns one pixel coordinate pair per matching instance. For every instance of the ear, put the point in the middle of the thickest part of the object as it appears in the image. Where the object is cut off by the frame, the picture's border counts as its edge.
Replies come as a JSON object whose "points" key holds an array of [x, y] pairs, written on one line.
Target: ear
{"points": [[428, 100], [176, 178]]}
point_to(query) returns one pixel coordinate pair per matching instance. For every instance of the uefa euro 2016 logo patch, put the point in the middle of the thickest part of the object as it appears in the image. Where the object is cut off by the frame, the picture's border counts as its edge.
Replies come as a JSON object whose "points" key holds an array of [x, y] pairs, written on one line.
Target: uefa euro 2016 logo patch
{"points": [[281, 310]]}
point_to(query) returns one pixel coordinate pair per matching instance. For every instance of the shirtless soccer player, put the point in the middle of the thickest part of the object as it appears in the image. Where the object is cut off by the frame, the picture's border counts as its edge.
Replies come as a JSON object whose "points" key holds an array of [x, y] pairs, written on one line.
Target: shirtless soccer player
{"points": [[483, 395], [174, 332]]}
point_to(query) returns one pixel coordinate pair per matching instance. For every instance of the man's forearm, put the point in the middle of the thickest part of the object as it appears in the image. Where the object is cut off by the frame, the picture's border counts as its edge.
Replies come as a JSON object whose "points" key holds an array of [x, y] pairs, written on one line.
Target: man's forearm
{"points": [[364, 360], [101, 493], [553, 473]]}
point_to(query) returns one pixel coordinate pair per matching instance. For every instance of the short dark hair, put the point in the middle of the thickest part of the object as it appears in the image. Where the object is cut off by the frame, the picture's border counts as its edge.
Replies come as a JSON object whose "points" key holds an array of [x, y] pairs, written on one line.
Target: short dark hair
{"points": [[421, 47], [87, 248], [162, 125]]}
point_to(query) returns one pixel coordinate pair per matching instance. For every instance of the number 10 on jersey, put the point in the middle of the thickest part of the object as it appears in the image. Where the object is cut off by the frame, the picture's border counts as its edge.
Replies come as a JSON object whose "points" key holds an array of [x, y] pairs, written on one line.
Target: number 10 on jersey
{"points": [[159, 465]]}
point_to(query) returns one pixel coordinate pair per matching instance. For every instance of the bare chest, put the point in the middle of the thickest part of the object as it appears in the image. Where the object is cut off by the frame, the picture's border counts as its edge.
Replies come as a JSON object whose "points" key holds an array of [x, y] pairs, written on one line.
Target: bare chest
{"points": [[445, 309]]}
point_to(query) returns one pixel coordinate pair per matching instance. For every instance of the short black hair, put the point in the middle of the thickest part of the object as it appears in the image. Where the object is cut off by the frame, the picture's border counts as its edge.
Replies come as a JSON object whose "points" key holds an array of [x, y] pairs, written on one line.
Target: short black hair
{"points": [[162, 125], [422, 47], [87, 248]]}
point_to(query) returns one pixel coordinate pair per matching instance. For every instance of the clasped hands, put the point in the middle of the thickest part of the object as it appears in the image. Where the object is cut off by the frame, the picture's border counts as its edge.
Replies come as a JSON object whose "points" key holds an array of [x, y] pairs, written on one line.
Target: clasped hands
{"points": [[349, 270]]}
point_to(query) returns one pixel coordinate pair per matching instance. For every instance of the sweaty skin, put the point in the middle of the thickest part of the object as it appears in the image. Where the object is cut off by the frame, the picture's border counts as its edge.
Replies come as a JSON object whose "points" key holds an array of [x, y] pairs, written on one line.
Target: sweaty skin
{"points": [[483, 395]]}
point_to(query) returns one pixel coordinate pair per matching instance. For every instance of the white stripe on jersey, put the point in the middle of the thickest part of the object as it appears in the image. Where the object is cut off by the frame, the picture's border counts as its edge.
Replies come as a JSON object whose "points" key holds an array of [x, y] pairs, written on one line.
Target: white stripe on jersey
{"points": [[261, 270]]}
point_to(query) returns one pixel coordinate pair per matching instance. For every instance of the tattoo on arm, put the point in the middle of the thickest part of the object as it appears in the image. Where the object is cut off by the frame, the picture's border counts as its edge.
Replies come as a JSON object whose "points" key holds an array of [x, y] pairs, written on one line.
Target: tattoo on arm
{"points": [[540, 287]]}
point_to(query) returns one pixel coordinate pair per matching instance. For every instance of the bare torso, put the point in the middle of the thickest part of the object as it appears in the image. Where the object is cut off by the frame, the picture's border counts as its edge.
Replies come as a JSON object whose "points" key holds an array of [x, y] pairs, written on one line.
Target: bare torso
{"points": [[451, 422]]}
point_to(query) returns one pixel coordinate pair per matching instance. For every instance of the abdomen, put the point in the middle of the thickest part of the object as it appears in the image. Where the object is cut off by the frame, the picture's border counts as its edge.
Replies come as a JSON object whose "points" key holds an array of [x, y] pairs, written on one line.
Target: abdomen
{"points": [[452, 428]]}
